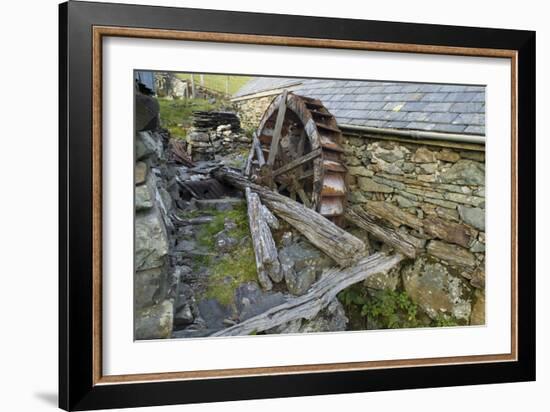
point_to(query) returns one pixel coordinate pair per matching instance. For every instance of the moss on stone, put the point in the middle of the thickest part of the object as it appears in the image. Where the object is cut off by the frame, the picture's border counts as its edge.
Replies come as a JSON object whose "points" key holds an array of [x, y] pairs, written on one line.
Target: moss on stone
{"points": [[228, 271]]}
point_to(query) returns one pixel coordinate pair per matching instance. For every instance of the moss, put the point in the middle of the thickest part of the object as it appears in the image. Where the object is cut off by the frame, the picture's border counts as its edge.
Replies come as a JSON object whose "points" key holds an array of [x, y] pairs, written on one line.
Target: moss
{"points": [[176, 114], [230, 270], [206, 235]]}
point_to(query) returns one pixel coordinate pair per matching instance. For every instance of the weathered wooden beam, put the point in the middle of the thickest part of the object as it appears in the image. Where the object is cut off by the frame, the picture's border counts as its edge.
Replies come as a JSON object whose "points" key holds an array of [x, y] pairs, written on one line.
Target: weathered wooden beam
{"points": [[258, 148], [390, 236], [265, 250], [278, 128], [393, 214], [338, 244], [318, 297], [248, 166], [298, 162]]}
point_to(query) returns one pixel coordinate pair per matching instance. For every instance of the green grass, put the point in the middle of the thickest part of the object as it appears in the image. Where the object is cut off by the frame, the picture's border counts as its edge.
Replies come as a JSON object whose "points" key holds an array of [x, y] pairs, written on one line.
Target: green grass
{"points": [[180, 112], [232, 269], [218, 81]]}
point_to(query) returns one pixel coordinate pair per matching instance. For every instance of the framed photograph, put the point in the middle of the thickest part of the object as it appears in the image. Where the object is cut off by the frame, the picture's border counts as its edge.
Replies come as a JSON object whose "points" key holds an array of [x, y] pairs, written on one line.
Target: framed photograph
{"points": [[257, 206]]}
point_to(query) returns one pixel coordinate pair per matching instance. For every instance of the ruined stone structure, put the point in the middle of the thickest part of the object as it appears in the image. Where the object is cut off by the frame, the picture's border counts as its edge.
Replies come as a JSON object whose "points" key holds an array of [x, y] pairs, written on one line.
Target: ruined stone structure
{"points": [[416, 162]]}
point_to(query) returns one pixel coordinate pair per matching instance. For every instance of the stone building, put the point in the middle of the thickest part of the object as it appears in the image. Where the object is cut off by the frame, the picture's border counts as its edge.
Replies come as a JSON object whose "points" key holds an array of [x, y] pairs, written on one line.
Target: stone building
{"points": [[415, 155]]}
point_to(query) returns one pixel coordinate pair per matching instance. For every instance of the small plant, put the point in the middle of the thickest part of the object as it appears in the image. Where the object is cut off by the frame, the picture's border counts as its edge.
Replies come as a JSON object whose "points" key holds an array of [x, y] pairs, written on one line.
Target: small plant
{"points": [[387, 308], [392, 309], [445, 321]]}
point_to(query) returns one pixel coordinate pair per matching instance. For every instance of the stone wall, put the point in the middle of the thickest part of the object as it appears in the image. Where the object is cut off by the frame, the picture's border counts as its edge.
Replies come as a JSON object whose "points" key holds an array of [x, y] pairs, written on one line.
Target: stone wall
{"points": [[154, 308], [250, 111], [437, 196]]}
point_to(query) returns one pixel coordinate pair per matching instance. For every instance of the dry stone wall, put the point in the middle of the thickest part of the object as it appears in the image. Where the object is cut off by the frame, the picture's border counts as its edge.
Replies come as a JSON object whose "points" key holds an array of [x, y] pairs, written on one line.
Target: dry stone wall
{"points": [[154, 308], [436, 195], [251, 110]]}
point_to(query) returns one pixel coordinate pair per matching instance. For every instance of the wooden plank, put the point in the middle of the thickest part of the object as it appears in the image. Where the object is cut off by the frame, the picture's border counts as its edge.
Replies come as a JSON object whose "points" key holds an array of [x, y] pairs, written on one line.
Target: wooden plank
{"points": [[298, 162], [335, 242], [278, 128], [248, 167], [265, 250], [258, 148], [390, 236], [318, 297]]}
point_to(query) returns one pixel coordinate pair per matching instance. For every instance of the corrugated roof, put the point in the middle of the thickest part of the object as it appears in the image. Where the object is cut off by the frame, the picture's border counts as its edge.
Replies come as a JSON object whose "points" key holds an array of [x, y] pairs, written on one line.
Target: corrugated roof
{"points": [[393, 105]]}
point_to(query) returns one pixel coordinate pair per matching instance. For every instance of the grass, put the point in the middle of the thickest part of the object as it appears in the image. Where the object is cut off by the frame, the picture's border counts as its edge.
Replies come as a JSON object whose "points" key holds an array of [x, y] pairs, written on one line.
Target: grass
{"points": [[218, 82], [176, 115], [234, 268]]}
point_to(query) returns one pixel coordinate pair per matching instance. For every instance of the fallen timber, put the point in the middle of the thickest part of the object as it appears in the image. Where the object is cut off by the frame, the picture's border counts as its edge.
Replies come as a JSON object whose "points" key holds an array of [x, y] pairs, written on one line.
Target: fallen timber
{"points": [[335, 242], [401, 242], [265, 250], [318, 297]]}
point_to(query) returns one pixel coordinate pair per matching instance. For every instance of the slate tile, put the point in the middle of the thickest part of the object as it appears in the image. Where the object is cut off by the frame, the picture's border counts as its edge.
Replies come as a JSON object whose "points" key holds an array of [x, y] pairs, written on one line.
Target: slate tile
{"points": [[467, 108], [392, 124], [479, 97], [460, 97], [470, 119], [453, 88], [449, 128], [441, 117], [375, 123], [410, 88], [396, 88], [417, 116], [429, 88], [480, 130], [437, 107], [393, 106], [413, 107], [421, 126], [434, 97]]}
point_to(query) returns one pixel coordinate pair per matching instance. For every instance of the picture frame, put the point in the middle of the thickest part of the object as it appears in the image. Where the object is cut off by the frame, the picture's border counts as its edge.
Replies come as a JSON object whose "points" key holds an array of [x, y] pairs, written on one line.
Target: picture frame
{"points": [[82, 29]]}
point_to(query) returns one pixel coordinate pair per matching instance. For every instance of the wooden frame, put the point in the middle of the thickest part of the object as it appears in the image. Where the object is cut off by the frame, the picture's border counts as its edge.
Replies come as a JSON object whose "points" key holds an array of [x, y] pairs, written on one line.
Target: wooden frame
{"points": [[82, 27]]}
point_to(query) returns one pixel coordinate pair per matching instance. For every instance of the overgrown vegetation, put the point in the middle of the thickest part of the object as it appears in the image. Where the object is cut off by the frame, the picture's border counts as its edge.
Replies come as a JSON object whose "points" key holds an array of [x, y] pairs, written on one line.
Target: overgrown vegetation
{"points": [[227, 272], [176, 114], [218, 82], [388, 309]]}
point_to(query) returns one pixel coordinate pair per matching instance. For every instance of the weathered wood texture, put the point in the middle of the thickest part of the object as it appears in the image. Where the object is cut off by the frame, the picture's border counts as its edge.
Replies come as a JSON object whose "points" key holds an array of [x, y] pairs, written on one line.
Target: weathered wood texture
{"points": [[399, 241], [318, 297], [457, 233], [265, 250], [340, 245], [278, 128]]}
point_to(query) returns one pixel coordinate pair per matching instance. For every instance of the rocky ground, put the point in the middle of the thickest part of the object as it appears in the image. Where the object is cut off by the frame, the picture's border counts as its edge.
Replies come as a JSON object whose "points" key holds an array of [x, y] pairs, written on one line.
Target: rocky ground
{"points": [[199, 268], [195, 265], [214, 260]]}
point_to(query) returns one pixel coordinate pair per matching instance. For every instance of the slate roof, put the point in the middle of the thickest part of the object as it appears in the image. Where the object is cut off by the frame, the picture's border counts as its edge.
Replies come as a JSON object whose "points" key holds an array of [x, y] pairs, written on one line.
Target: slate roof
{"points": [[410, 106]]}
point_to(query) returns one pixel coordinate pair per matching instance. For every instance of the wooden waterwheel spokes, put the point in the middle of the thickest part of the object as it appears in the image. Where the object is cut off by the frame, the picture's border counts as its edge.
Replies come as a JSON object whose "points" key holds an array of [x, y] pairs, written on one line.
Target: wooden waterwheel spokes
{"points": [[297, 151]]}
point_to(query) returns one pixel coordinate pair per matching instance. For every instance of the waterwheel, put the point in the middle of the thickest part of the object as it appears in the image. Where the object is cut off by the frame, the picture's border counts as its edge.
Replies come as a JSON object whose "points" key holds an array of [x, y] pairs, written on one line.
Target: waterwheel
{"points": [[297, 151]]}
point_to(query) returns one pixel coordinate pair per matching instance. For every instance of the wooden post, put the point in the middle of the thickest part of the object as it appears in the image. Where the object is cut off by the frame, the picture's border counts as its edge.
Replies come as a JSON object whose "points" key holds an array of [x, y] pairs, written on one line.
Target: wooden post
{"points": [[278, 128], [192, 86]]}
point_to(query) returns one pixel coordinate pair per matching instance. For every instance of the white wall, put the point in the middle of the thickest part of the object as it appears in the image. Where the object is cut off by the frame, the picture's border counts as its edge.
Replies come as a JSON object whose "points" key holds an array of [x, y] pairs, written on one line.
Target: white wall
{"points": [[28, 229]]}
